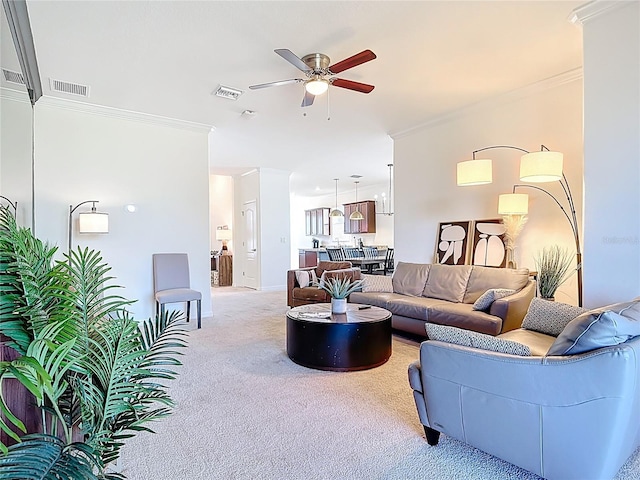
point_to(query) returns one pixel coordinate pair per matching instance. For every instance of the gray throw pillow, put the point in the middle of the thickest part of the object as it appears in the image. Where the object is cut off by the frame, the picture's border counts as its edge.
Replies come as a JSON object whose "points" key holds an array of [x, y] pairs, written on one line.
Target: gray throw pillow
{"points": [[602, 327], [549, 317], [467, 338], [487, 298]]}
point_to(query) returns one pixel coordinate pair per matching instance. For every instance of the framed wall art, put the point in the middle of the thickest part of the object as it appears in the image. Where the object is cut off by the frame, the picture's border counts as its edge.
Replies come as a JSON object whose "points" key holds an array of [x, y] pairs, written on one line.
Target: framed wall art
{"points": [[452, 242], [488, 243]]}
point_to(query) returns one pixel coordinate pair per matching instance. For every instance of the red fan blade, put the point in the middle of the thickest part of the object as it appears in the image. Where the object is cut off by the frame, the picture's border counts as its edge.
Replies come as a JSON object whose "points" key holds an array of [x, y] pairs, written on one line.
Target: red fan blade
{"points": [[354, 61], [351, 85], [308, 99]]}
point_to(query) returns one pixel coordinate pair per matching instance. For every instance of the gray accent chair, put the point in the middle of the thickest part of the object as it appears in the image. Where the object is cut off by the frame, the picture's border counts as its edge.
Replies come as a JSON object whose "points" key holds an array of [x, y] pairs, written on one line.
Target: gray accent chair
{"points": [[561, 417], [171, 282]]}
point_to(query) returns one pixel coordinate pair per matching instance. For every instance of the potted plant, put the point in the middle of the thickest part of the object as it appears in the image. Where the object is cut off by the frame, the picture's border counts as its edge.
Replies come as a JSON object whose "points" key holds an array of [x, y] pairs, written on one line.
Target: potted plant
{"points": [[95, 375], [339, 288], [554, 265]]}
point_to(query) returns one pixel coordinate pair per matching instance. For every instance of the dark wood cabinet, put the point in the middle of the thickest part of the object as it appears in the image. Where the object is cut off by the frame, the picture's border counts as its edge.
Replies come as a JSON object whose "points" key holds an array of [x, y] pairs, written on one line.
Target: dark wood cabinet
{"points": [[317, 221], [368, 211]]}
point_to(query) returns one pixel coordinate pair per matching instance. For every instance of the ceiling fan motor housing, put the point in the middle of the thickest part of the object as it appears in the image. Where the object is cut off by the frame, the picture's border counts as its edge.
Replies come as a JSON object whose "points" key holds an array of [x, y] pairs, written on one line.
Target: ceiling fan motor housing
{"points": [[319, 62]]}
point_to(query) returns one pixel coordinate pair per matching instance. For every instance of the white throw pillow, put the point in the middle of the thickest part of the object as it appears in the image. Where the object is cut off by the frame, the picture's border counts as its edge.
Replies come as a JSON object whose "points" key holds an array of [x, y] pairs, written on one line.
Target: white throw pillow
{"points": [[377, 283], [306, 278], [487, 298], [467, 338]]}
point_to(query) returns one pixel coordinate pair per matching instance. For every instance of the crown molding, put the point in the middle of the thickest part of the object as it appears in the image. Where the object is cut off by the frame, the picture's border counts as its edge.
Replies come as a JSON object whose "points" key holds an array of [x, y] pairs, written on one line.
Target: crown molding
{"points": [[121, 114], [594, 9], [514, 95], [15, 95]]}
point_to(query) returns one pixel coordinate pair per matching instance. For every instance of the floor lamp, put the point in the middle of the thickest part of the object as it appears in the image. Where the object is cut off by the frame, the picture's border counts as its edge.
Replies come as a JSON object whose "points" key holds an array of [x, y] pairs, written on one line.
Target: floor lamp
{"points": [[535, 167], [89, 222]]}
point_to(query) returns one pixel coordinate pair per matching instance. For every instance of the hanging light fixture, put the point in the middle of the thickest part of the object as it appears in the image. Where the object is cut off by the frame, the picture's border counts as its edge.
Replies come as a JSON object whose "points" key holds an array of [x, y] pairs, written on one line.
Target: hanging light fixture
{"points": [[316, 86], [387, 208], [336, 212], [356, 216]]}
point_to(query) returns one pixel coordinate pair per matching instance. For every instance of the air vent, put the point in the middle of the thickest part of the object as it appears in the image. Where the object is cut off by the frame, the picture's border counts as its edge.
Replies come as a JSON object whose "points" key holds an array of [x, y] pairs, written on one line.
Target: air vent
{"points": [[227, 92], [68, 87], [13, 77], [356, 176]]}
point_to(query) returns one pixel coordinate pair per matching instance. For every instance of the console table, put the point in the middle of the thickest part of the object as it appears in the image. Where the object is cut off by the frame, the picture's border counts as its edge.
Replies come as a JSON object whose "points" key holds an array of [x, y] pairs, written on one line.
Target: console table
{"points": [[225, 270]]}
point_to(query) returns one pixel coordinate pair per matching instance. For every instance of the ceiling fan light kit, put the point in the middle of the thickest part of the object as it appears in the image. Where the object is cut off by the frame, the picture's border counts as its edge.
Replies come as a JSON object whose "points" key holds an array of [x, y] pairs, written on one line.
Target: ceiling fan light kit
{"points": [[320, 74]]}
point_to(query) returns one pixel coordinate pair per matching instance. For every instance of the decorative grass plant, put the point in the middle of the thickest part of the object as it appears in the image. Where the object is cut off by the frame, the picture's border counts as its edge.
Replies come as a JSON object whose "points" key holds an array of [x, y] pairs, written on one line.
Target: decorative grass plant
{"points": [[554, 265], [340, 287]]}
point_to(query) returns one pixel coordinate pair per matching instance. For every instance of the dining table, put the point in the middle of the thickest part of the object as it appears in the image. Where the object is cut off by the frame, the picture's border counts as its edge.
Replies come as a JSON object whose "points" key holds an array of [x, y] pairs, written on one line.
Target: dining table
{"points": [[367, 263]]}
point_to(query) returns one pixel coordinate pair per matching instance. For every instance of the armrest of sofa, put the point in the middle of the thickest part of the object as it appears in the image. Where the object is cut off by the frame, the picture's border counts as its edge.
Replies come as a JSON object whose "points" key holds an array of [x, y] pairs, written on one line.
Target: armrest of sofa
{"points": [[292, 283], [513, 308]]}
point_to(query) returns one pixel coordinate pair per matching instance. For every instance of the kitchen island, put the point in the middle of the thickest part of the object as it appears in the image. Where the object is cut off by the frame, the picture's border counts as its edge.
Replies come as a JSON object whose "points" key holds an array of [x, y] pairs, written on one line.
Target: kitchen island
{"points": [[309, 257]]}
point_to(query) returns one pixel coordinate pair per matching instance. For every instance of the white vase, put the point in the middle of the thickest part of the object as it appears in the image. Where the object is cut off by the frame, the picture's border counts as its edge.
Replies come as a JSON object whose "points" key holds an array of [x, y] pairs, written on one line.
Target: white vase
{"points": [[338, 305]]}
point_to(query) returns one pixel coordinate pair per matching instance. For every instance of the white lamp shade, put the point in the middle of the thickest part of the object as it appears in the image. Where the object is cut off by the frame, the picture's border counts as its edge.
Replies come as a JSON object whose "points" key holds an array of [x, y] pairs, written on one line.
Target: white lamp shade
{"points": [[93, 222], [513, 204], [539, 167], [223, 234], [316, 87], [474, 172]]}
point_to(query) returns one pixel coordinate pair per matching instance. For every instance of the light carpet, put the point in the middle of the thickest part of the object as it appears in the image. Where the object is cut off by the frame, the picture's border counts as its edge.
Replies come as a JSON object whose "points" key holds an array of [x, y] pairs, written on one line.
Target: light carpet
{"points": [[246, 411]]}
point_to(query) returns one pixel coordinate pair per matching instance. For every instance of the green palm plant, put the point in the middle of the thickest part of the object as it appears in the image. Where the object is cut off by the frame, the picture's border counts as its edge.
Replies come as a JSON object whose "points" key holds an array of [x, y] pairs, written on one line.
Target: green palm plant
{"points": [[98, 376]]}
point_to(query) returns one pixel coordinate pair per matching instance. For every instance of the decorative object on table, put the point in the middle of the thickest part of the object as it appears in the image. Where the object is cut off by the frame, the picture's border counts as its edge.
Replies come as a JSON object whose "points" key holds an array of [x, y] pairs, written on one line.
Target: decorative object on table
{"points": [[452, 242], [514, 209], [535, 167], [71, 342], [339, 288], [554, 265], [223, 234], [488, 248], [88, 222]]}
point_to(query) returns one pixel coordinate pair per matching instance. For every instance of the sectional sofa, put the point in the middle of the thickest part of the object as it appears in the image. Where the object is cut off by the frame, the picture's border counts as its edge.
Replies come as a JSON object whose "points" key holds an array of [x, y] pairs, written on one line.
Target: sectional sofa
{"points": [[483, 299]]}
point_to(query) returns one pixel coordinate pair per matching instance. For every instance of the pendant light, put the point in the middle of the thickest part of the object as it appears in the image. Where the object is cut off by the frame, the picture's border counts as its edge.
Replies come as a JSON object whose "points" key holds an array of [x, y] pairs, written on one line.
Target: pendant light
{"points": [[356, 216], [336, 212]]}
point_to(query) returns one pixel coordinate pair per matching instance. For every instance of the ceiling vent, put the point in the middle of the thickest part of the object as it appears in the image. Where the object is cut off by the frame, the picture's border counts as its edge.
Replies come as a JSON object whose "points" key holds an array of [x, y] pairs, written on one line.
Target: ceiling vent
{"points": [[356, 176], [13, 77], [68, 87], [227, 92]]}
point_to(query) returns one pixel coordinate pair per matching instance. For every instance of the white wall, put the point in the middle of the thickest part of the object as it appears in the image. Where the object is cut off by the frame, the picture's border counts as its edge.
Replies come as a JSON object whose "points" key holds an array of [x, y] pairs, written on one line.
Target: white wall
{"points": [[612, 153], [384, 223], [221, 207], [161, 169], [15, 152], [425, 171]]}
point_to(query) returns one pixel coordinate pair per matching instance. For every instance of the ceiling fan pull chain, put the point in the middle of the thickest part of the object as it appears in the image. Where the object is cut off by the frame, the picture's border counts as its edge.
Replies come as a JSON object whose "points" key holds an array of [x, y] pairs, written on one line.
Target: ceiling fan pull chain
{"points": [[328, 107]]}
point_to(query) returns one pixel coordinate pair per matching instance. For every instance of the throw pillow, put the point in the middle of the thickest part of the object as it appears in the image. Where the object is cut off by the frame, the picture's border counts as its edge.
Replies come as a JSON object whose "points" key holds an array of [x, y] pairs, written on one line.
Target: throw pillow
{"points": [[377, 283], [487, 298], [602, 327], [303, 278], [549, 317], [467, 338]]}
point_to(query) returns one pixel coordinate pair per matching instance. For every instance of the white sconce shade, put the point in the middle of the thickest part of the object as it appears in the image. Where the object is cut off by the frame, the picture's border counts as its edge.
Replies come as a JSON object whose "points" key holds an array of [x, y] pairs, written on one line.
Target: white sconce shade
{"points": [[93, 222], [316, 87], [474, 172], [537, 167], [513, 204]]}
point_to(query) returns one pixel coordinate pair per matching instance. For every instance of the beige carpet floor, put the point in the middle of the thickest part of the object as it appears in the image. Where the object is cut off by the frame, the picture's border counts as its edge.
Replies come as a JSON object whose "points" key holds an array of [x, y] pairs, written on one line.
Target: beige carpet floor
{"points": [[246, 411]]}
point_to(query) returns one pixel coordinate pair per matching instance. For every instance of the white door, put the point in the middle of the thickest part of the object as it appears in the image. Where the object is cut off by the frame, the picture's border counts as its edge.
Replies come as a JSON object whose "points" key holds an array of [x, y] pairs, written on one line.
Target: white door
{"points": [[250, 244]]}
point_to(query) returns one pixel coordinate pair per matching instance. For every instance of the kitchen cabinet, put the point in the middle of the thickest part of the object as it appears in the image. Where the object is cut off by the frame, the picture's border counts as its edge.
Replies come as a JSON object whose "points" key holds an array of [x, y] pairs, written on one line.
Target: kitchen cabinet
{"points": [[317, 221], [368, 210]]}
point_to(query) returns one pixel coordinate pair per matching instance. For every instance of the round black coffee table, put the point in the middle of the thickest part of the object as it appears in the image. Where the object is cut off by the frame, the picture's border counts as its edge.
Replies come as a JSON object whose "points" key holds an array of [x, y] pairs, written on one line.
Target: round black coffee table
{"points": [[356, 340]]}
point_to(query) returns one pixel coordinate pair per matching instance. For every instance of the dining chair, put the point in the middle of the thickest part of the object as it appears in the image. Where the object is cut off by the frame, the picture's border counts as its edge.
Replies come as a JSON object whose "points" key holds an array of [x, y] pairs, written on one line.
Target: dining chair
{"points": [[171, 282], [335, 254], [351, 252], [389, 264]]}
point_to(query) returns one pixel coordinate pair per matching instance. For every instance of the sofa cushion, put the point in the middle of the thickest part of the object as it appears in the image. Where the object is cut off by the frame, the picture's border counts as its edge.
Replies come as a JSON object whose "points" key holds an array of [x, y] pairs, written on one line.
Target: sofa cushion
{"points": [[487, 298], [549, 317], [328, 265], [310, 294], [462, 315], [538, 343], [410, 278], [413, 307], [447, 282], [378, 299], [601, 327], [377, 283], [459, 336], [485, 278]]}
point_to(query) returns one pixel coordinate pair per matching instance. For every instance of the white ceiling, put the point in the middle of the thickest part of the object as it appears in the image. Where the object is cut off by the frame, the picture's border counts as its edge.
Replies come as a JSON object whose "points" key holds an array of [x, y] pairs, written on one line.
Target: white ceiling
{"points": [[166, 58]]}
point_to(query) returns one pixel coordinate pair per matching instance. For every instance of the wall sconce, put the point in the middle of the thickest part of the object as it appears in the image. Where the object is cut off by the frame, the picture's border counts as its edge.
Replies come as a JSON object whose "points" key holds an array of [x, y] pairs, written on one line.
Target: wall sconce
{"points": [[89, 222], [223, 234], [12, 205], [535, 167]]}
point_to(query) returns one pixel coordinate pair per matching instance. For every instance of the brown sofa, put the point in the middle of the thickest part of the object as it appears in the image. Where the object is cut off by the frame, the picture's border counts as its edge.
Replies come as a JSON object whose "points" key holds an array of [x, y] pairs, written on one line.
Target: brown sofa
{"points": [[297, 295], [445, 294]]}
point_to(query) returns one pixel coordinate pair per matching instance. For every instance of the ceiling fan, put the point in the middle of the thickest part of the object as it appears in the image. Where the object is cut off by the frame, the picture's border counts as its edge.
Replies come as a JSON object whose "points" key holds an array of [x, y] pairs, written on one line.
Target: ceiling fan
{"points": [[319, 73]]}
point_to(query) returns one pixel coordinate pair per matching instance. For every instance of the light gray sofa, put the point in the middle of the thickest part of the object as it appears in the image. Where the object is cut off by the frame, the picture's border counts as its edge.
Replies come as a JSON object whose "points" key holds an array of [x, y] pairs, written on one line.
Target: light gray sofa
{"points": [[560, 416], [445, 294]]}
